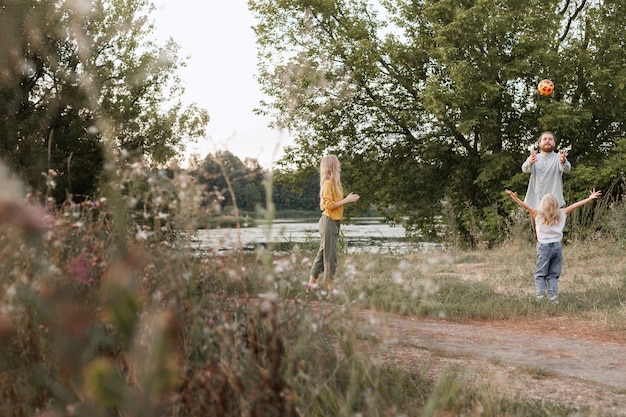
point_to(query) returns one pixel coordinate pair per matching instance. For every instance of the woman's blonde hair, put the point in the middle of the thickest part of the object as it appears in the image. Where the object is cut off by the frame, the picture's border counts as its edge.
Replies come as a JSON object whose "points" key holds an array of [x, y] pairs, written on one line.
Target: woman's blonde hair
{"points": [[549, 212], [329, 170]]}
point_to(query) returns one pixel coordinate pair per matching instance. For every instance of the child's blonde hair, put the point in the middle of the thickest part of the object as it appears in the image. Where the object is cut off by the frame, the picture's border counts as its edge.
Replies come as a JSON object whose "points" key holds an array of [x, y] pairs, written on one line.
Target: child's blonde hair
{"points": [[329, 170], [549, 212]]}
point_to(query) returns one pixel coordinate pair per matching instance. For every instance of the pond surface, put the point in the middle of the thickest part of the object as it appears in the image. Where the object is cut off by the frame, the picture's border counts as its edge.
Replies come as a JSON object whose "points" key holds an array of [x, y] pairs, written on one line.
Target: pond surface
{"points": [[368, 235]]}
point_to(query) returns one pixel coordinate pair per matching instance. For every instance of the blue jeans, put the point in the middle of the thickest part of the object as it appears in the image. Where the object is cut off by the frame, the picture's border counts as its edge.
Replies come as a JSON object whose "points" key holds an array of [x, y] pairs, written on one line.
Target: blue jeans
{"points": [[549, 264]]}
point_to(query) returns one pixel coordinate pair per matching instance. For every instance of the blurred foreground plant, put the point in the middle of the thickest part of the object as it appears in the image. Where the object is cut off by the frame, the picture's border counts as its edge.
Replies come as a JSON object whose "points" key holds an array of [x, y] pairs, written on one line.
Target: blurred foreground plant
{"points": [[153, 328], [78, 333]]}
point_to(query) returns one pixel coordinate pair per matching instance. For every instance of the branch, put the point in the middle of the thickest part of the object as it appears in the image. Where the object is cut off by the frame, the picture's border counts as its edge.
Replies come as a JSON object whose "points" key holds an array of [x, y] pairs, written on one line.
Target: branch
{"points": [[571, 19]]}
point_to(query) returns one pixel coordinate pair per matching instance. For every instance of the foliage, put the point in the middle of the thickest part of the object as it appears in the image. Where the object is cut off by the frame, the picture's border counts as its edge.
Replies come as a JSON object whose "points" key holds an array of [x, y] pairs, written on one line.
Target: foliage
{"points": [[296, 191], [433, 104], [242, 185], [231, 182], [75, 76]]}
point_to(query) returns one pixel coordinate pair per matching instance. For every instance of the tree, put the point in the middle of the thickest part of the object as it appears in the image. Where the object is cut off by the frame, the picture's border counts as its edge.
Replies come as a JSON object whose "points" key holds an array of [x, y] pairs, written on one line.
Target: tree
{"points": [[231, 182], [298, 192], [228, 181], [81, 79], [432, 105]]}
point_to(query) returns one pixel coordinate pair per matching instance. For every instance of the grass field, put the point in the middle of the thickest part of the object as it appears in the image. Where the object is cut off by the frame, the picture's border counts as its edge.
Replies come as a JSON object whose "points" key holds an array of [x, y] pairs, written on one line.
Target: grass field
{"points": [[102, 320]]}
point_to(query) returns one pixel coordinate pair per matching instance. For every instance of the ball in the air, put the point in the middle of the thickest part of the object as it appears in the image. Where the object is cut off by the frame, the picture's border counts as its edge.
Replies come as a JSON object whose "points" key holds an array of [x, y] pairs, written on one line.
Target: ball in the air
{"points": [[545, 87]]}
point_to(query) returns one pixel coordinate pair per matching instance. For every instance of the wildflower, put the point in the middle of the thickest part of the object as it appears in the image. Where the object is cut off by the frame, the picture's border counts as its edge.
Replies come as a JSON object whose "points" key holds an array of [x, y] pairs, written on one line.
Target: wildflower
{"points": [[49, 220], [137, 168], [80, 269], [350, 271], [28, 219], [157, 296], [10, 292]]}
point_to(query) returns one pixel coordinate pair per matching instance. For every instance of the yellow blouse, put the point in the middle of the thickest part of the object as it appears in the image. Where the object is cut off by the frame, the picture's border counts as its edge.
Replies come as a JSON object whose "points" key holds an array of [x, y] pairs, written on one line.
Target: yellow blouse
{"points": [[329, 197]]}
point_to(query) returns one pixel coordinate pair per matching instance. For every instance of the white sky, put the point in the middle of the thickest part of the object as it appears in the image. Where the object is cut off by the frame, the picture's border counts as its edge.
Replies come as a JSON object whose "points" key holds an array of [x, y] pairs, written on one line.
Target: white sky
{"points": [[217, 37]]}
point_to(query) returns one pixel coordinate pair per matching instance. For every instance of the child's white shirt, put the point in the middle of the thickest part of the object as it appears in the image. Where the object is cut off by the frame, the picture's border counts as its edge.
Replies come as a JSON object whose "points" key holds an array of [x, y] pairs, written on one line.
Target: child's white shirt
{"points": [[550, 234]]}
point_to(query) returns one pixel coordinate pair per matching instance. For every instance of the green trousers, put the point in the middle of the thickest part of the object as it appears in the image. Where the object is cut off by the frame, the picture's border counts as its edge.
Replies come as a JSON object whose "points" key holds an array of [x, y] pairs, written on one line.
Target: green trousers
{"points": [[326, 259]]}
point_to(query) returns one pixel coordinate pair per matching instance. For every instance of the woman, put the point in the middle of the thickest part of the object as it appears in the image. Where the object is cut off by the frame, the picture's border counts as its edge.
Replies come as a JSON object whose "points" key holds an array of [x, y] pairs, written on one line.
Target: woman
{"points": [[331, 202]]}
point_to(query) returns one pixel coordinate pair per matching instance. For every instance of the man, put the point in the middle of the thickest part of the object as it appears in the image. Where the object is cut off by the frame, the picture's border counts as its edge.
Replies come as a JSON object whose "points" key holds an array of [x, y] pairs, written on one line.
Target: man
{"points": [[546, 170]]}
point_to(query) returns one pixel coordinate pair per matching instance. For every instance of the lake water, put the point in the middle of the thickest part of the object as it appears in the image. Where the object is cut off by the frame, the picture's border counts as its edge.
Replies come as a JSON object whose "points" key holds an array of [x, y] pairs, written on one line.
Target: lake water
{"points": [[368, 235]]}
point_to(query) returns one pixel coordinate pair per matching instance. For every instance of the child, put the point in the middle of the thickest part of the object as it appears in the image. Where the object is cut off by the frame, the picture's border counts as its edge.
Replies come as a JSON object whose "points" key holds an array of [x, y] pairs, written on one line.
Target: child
{"points": [[331, 202], [549, 221]]}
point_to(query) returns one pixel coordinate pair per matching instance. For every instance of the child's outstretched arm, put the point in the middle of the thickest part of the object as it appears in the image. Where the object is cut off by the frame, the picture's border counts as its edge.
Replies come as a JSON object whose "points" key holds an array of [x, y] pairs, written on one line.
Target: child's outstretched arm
{"points": [[593, 194], [525, 206]]}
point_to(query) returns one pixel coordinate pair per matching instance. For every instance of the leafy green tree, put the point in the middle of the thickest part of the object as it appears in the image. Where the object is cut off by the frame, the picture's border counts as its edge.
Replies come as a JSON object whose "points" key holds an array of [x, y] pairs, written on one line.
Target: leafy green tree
{"points": [[250, 190], [296, 191], [227, 180], [431, 104], [78, 79], [231, 182]]}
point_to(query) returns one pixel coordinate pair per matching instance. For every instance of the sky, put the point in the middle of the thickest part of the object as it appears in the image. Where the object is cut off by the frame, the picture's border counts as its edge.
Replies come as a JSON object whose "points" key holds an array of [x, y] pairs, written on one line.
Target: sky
{"points": [[217, 38]]}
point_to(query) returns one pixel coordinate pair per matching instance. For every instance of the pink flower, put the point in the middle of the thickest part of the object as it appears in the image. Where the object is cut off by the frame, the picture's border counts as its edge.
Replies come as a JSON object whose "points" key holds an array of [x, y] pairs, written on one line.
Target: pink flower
{"points": [[79, 269]]}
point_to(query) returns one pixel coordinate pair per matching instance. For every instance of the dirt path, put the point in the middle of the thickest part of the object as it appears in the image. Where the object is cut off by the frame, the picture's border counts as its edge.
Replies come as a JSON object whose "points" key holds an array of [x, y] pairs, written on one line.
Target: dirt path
{"points": [[553, 359]]}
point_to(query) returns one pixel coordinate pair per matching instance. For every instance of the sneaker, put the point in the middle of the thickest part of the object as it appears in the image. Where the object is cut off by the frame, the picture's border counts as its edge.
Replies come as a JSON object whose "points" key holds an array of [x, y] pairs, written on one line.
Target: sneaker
{"points": [[541, 297], [554, 299]]}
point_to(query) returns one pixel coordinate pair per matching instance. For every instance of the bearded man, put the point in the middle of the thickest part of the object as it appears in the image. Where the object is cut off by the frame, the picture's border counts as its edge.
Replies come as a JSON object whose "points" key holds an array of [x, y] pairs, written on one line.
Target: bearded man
{"points": [[546, 170]]}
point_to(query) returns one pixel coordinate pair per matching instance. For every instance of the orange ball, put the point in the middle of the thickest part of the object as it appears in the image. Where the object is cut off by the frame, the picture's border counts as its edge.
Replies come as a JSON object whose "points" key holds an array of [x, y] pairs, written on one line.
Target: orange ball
{"points": [[545, 87]]}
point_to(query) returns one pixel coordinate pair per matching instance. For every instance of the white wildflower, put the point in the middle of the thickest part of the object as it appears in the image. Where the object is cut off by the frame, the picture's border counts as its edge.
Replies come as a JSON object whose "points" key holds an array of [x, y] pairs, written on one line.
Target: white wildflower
{"points": [[157, 296], [10, 293]]}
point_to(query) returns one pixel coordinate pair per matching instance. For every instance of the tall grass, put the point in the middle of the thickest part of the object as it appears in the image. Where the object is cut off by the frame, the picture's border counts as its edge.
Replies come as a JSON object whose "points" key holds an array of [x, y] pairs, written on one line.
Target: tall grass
{"points": [[106, 311]]}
